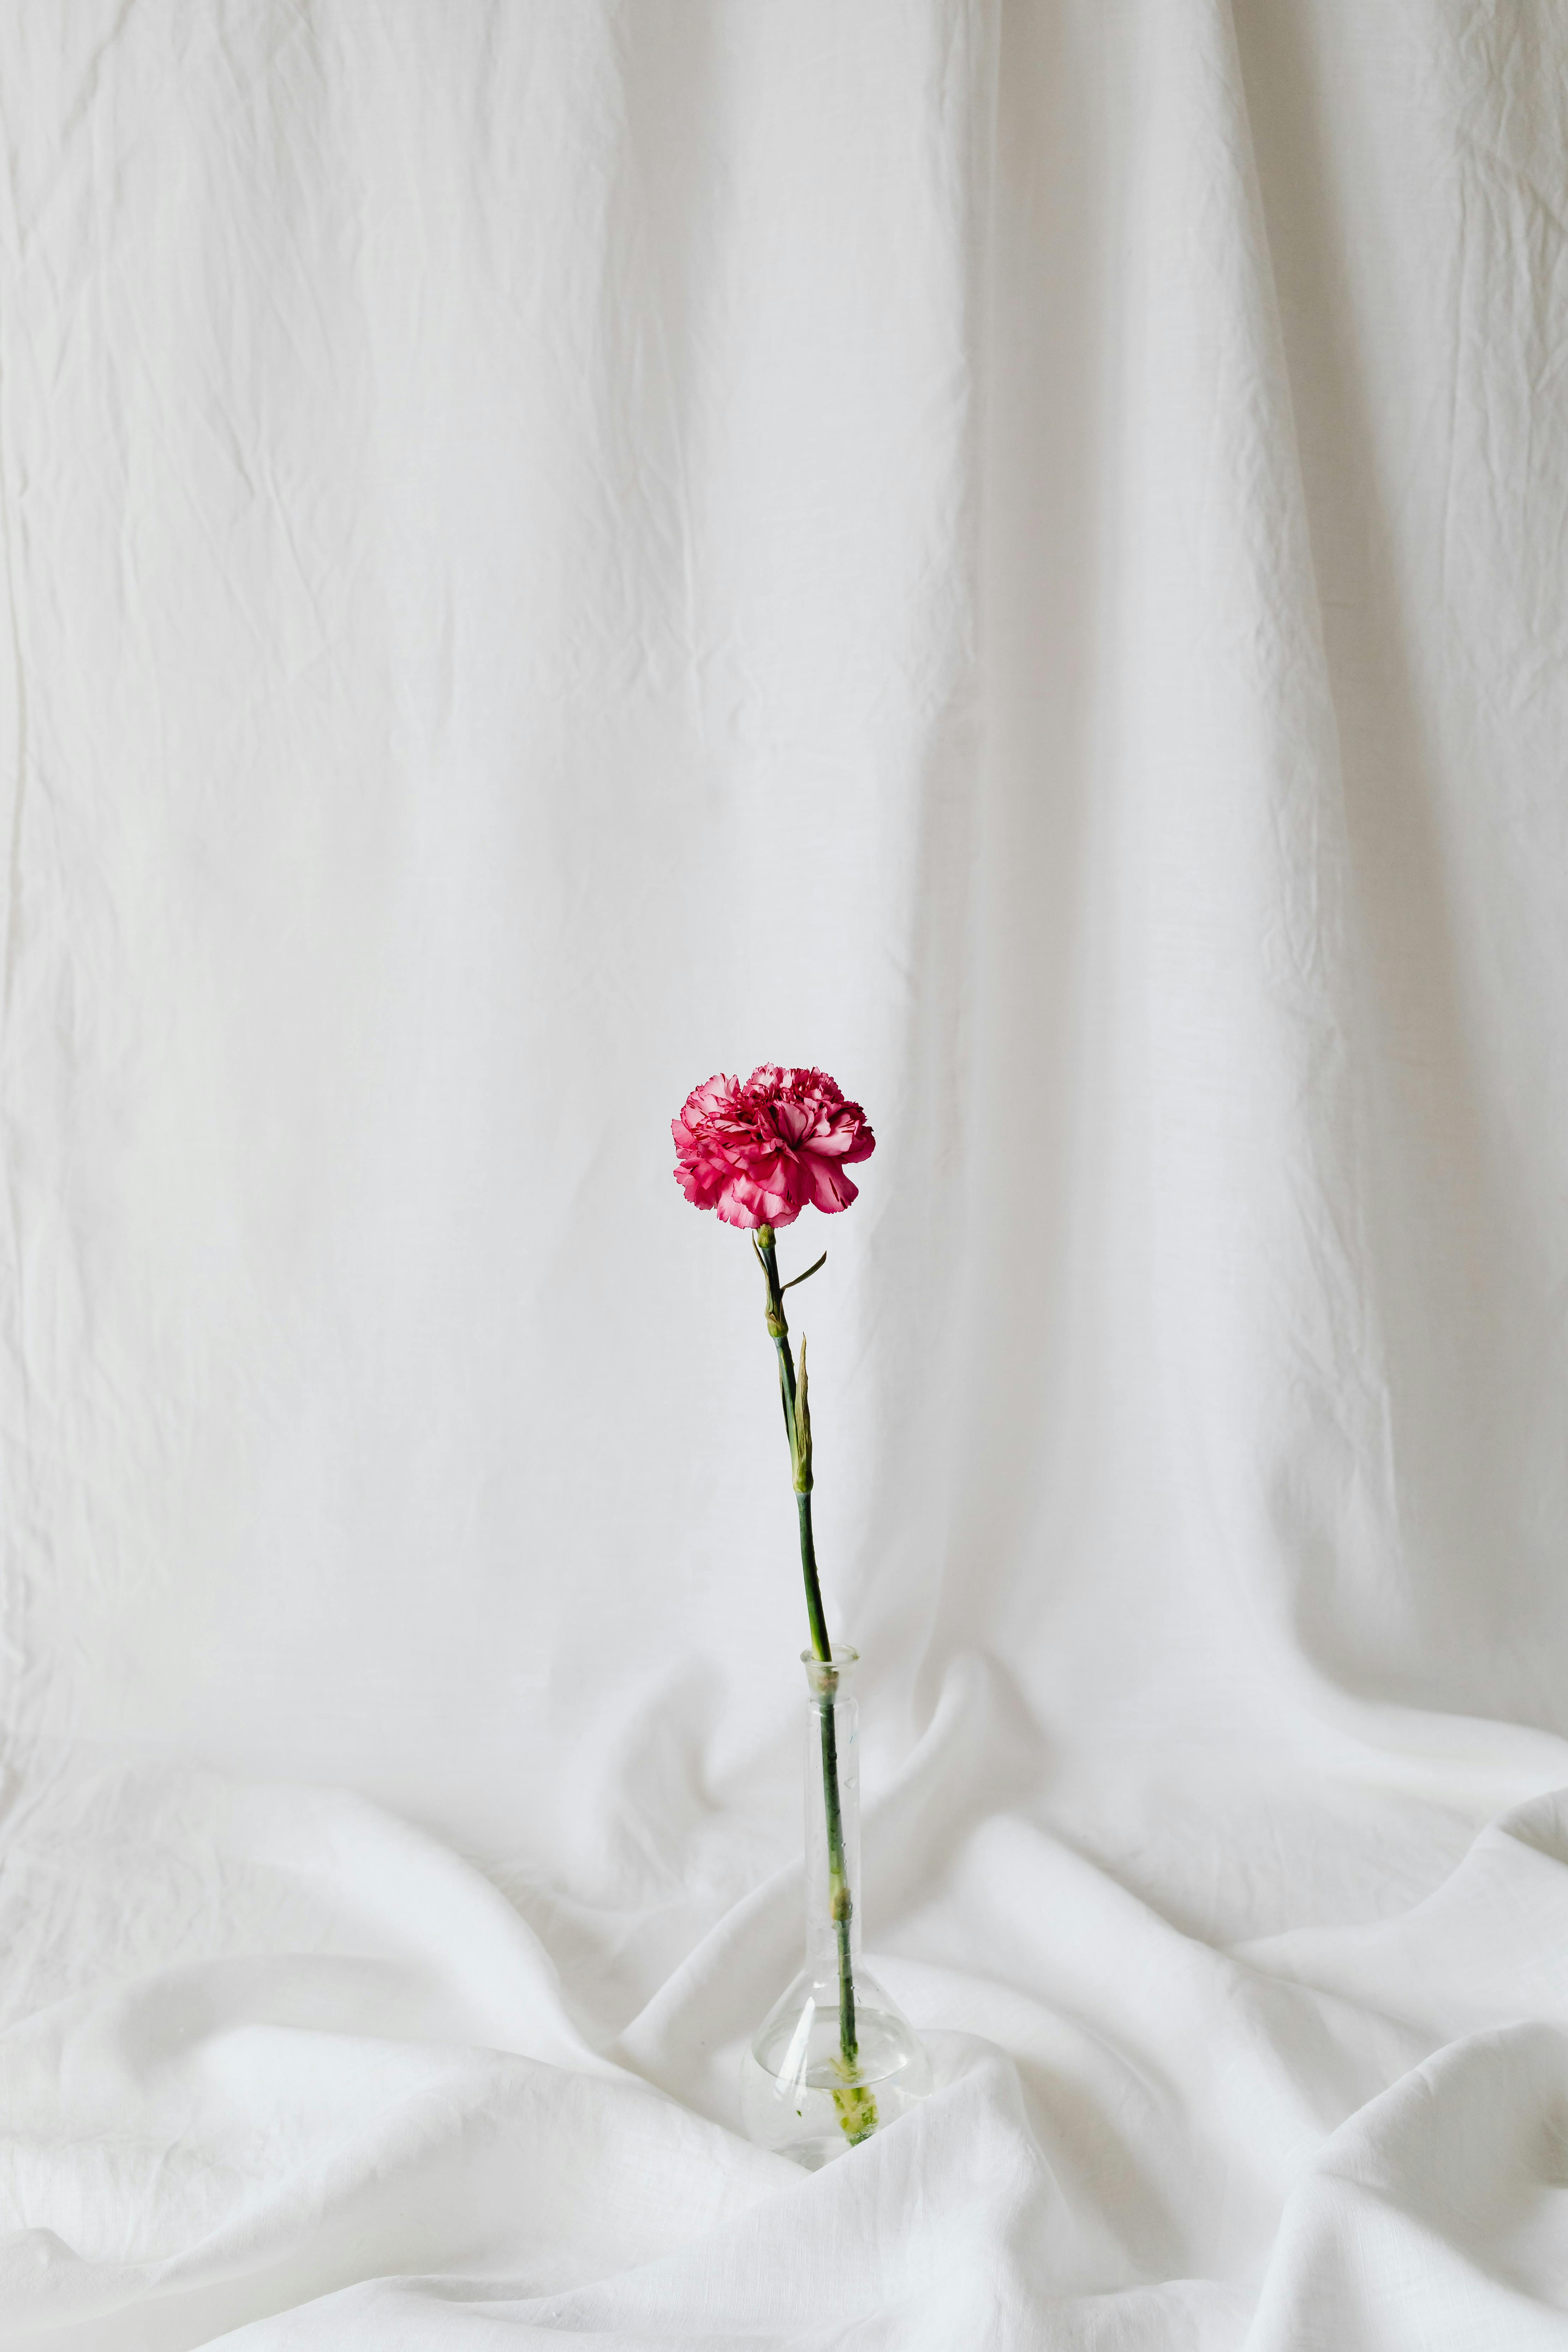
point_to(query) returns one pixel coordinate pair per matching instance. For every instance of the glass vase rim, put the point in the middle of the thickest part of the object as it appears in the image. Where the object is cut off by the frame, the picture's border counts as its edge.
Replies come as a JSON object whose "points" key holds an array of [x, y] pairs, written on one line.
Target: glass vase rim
{"points": [[831, 1676]]}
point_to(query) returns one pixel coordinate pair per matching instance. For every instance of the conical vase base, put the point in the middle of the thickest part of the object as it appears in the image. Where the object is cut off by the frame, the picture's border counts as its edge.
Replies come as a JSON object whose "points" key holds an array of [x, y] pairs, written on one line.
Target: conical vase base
{"points": [[801, 2096]]}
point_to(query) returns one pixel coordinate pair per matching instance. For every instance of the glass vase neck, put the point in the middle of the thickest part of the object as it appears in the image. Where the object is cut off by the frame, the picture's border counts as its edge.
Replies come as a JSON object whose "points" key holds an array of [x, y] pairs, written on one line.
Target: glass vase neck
{"points": [[833, 1822]]}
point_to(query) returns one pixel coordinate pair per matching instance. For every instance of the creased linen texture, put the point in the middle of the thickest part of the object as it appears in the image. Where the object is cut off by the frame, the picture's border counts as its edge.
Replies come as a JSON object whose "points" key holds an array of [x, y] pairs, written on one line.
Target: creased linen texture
{"points": [[1018, 553]]}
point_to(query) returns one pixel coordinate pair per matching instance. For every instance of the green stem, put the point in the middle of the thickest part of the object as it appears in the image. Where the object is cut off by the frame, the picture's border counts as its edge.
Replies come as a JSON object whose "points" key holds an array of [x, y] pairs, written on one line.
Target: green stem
{"points": [[837, 1876]]}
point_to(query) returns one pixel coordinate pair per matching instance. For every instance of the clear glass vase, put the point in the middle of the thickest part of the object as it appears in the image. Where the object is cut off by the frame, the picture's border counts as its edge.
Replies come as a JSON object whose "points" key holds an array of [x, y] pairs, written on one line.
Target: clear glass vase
{"points": [[834, 2061]]}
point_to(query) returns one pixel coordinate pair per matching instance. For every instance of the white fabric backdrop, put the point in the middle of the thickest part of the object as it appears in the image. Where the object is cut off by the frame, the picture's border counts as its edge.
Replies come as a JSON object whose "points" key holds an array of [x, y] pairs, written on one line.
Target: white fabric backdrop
{"points": [[1016, 552]]}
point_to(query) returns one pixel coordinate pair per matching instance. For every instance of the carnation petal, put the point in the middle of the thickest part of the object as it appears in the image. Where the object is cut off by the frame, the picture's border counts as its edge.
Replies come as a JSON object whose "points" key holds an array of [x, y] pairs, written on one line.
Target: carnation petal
{"points": [[831, 1189]]}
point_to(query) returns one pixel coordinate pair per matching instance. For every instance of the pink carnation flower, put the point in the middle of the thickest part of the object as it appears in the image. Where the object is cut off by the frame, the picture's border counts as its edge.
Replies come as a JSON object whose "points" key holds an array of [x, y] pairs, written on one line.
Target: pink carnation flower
{"points": [[762, 1152]]}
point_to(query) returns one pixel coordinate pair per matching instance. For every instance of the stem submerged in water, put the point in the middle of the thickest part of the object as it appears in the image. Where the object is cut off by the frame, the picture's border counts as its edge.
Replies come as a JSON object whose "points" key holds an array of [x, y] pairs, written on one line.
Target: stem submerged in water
{"points": [[852, 2104]]}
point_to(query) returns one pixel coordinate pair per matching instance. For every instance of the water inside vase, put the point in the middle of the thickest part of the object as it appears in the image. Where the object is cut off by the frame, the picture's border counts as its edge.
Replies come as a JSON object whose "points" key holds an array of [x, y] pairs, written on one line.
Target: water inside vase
{"points": [[799, 2096]]}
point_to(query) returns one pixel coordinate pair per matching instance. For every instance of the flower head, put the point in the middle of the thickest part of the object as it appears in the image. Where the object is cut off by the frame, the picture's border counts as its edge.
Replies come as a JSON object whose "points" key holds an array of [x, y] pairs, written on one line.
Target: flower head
{"points": [[762, 1151]]}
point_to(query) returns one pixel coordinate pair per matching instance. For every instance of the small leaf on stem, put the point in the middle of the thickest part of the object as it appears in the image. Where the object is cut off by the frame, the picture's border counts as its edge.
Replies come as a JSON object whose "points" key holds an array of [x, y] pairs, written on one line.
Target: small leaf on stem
{"points": [[801, 1434]]}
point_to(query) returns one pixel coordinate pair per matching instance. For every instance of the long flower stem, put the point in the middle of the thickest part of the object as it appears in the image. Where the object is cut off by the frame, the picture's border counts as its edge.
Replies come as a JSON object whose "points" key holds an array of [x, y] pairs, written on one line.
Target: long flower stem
{"points": [[800, 1455]]}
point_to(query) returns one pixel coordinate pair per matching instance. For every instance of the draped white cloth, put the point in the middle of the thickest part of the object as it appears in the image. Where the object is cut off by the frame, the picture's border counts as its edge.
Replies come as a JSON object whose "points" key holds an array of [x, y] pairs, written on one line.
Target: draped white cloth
{"points": [[1015, 552]]}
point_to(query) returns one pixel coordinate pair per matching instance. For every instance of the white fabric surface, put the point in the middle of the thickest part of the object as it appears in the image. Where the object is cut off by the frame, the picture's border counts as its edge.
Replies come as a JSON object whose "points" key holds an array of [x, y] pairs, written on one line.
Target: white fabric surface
{"points": [[1015, 552]]}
